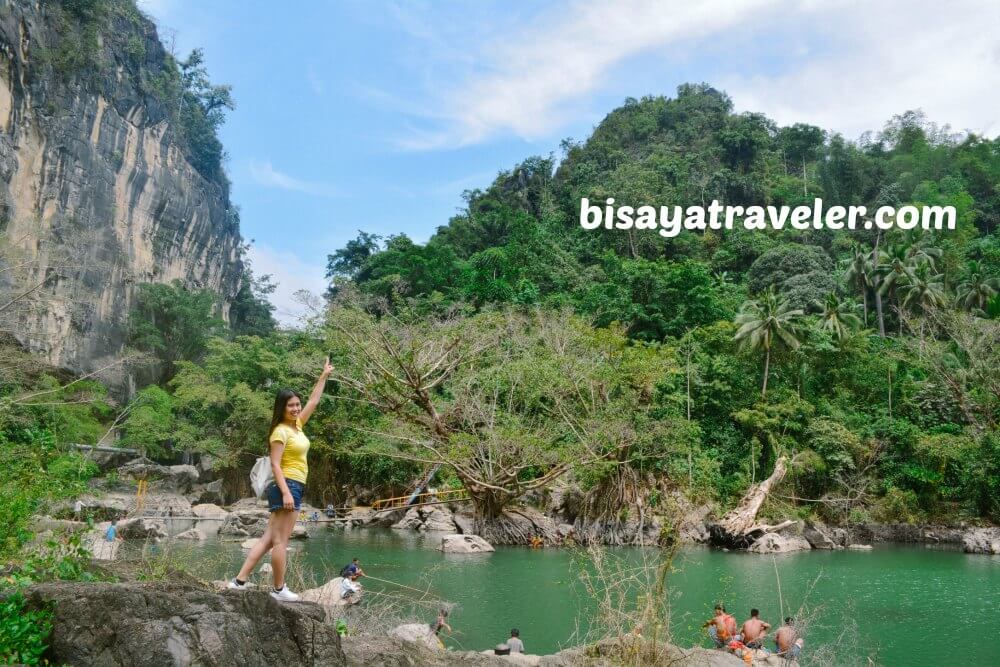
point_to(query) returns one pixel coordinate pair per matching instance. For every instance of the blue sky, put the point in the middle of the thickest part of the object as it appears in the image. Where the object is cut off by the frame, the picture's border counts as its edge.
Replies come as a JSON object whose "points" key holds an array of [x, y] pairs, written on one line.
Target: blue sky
{"points": [[377, 115]]}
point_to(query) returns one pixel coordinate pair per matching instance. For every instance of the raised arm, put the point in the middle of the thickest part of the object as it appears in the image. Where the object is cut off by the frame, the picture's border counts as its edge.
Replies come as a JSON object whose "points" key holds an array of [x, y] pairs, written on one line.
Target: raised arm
{"points": [[317, 393]]}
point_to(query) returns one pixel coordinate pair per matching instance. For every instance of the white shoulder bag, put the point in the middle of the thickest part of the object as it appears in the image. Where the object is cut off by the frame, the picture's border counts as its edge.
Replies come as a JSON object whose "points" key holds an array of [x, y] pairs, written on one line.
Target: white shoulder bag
{"points": [[261, 475]]}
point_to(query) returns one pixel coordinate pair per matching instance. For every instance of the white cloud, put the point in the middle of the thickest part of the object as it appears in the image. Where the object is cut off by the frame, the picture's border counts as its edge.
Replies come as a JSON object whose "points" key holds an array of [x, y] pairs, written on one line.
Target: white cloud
{"points": [[263, 173], [849, 66], [890, 57], [292, 275], [528, 83]]}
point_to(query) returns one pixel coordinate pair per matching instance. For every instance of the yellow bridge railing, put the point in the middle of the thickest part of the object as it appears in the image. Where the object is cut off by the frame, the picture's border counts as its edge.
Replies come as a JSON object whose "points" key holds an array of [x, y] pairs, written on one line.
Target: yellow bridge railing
{"points": [[429, 498]]}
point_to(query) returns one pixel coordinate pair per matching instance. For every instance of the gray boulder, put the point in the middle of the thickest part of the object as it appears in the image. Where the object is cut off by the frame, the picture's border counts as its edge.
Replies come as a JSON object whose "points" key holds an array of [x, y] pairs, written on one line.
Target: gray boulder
{"points": [[465, 544], [208, 493], [329, 595], [418, 633], [246, 523], [142, 528], [820, 537], [777, 543], [982, 541], [167, 624], [190, 534]]}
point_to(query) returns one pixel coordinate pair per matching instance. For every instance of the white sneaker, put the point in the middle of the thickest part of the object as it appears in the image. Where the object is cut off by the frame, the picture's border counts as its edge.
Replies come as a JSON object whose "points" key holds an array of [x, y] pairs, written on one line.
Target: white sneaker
{"points": [[233, 585], [284, 595]]}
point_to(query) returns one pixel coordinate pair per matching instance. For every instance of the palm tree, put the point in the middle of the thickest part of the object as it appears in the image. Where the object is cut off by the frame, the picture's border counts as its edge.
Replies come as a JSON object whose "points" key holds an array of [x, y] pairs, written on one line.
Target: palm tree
{"points": [[895, 266], [765, 323], [838, 316], [860, 275], [923, 289], [976, 290]]}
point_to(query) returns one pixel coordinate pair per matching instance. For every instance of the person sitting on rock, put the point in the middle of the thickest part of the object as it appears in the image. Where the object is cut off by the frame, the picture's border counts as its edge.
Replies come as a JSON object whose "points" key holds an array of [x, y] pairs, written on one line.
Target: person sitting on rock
{"points": [[754, 630], [289, 448], [787, 640], [514, 643], [349, 586], [352, 568], [721, 627]]}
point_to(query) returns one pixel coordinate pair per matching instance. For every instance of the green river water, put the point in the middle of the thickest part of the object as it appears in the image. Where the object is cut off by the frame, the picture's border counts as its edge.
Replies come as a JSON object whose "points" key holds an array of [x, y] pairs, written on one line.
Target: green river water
{"points": [[902, 605]]}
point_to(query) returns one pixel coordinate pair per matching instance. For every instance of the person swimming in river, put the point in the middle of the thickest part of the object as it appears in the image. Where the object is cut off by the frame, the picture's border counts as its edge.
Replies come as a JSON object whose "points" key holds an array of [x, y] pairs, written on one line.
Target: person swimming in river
{"points": [[754, 630], [289, 448], [721, 627]]}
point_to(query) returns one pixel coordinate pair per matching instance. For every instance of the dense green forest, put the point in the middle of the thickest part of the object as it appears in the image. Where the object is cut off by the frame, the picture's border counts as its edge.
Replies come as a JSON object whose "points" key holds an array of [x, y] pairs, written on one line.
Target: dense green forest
{"points": [[519, 350]]}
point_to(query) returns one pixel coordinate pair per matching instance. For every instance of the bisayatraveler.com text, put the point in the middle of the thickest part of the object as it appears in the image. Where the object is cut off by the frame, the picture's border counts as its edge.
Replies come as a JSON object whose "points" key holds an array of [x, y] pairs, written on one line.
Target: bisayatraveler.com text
{"points": [[671, 220]]}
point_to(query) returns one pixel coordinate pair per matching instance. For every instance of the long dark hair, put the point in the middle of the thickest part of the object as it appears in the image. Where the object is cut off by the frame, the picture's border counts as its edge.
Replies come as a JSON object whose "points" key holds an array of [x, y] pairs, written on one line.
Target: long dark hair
{"points": [[278, 416]]}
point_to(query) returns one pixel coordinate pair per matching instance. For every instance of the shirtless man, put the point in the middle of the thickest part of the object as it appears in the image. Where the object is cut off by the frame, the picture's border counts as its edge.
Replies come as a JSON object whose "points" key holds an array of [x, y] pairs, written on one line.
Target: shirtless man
{"points": [[787, 639], [721, 627], [754, 630]]}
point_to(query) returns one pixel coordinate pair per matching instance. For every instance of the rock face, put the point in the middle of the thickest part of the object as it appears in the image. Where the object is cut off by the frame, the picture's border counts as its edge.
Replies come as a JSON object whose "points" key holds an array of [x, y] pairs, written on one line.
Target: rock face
{"points": [[97, 191], [777, 543], [465, 544], [168, 624], [982, 541]]}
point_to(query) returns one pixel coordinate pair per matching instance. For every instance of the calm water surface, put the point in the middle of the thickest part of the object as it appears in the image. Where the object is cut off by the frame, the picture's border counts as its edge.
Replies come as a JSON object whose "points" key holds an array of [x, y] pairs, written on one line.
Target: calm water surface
{"points": [[905, 605]]}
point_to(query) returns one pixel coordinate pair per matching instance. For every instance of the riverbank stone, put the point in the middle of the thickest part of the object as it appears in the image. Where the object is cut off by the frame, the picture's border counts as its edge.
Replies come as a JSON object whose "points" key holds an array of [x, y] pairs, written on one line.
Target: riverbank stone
{"points": [[465, 544], [418, 633], [164, 624], [982, 541], [777, 543], [142, 528], [329, 595], [190, 534]]}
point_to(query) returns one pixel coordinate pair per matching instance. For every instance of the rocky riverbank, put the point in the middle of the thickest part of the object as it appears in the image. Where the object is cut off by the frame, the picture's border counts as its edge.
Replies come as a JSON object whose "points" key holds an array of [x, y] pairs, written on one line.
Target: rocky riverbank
{"points": [[192, 498], [171, 624]]}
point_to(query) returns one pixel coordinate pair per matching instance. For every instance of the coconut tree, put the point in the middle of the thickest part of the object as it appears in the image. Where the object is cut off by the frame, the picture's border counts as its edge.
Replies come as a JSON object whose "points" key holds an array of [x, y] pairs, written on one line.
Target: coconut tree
{"points": [[976, 289], [766, 323], [860, 275], [895, 267], [922, 290], [838, 317]]}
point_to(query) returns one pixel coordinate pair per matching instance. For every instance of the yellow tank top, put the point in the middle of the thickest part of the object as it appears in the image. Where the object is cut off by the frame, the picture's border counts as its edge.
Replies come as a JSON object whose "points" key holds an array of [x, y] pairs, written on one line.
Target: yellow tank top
{"points": [[293, 458]]}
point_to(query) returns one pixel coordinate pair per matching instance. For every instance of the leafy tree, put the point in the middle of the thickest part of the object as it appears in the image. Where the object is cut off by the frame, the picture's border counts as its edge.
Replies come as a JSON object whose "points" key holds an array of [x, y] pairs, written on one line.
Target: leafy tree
{"points": [[251, 313], [173, 322]]}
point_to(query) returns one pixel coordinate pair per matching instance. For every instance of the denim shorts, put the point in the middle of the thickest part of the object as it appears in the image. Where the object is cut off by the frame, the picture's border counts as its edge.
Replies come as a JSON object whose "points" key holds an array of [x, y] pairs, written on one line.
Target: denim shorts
{"points": [[274, 494]]}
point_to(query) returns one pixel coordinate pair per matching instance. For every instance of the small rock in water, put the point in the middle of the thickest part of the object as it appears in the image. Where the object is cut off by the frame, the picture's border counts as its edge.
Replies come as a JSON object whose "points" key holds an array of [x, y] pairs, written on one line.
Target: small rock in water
{"points": [[860, 547], [465, 544], [191, 534], [266, 568]]}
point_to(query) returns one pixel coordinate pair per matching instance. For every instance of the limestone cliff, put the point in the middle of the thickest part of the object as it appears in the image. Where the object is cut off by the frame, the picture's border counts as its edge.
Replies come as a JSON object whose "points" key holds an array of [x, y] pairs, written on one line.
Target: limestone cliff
{"points": [[98, 189]]}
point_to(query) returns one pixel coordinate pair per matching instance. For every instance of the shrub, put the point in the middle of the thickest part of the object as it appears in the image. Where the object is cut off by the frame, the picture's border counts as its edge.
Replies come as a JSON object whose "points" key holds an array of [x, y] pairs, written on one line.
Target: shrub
{"points": [[23, 632]]}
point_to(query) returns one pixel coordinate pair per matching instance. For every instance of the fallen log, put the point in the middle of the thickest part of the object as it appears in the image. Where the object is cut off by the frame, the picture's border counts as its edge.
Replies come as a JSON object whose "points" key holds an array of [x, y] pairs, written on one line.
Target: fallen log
{"points": [[738, 529]]}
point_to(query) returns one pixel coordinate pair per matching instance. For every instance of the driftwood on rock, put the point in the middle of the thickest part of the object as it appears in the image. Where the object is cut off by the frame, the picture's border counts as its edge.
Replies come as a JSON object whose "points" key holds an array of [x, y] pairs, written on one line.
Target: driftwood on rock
{"points": [[738, 529]]}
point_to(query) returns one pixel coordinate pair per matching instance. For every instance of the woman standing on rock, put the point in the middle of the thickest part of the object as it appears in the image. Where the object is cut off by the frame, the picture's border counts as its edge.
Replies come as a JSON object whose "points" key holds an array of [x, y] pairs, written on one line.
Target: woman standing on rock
{"points": [[289, 447]]}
